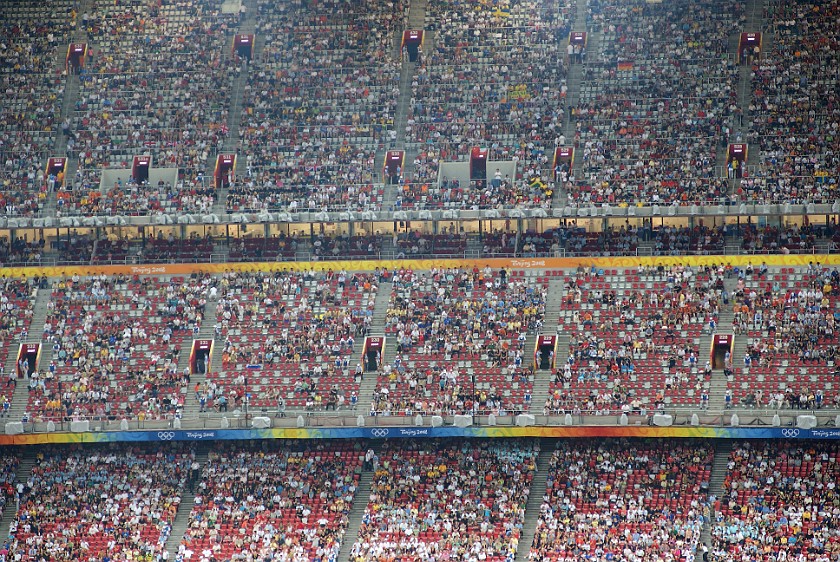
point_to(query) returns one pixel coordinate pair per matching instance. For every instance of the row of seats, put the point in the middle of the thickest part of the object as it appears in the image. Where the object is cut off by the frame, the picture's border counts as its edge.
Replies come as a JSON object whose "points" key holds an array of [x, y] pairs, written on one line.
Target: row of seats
{"points": [[113, 347], [459, 337], [655, 101], [792, 120], [291, 336], [98, 502], [456, 339], [611, 499], [292, 505], [34, 37], [634, 339], [511, 59], [318, 102], [157, 81], [444, 498]]}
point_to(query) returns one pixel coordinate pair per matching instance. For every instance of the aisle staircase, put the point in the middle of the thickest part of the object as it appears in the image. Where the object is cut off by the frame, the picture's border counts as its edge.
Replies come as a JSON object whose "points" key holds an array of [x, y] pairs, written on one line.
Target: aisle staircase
{"points": [[542, 378], [354, 518], [536, 497], [234, 117], [574, 78], [380, 311], [20, 398], [182, 518], [24, 471], [206, 332], [723, 447]]}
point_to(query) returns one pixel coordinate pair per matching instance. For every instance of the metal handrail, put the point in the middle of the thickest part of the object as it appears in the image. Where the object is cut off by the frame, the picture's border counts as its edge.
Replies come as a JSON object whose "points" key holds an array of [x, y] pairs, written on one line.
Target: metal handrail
{"points": [[348, 417]]}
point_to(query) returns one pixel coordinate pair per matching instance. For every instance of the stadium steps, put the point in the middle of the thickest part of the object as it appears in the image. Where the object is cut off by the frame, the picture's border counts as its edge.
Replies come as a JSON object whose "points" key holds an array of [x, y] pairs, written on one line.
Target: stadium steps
{"points": [[723, 447], [231, 142], [69, 97], [536, 497], [573, 79], [24, 471], [377, 327], [417, 14], [389, 195], [717, 386], [542, 378], [389, 249], [646, 248], [396, 137], [20, 398], [416, 20], [573, 82], [182, 517], [354, 518], [206, 332], [474, 247]]}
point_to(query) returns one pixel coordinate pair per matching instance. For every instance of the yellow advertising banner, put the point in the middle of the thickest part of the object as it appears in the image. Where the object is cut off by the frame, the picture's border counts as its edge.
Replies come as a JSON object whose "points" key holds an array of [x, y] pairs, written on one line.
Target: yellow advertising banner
{"points": [[616, 262]]}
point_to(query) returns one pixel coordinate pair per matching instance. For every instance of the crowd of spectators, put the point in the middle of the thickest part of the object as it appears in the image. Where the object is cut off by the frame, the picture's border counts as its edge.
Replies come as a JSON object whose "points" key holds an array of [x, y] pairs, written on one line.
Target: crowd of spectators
{"points": [[98, 503], [789, 319], [342, 246], [414, 244], [263, 501], [623, 500], [794, 113], [678, 241], [115, 343], [662, 89], [34, 37], [574, 241], [786, 318], [297, 331], [168, 249], [496, 78], [16, 302], [21, 252], [778, 240], [320, 98], [84, 196], [75, 248], [460, 342], [437, 499], [9, 463], [498, 243], [779, 502], [156, 81], [280, 247], [635, 349]]}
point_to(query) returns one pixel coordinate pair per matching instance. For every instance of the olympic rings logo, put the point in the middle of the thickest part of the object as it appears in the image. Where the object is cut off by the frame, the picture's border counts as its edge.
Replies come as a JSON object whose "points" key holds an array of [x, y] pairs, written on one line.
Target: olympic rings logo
{"points": [[790, 432], [379, 432], [166, 435]]}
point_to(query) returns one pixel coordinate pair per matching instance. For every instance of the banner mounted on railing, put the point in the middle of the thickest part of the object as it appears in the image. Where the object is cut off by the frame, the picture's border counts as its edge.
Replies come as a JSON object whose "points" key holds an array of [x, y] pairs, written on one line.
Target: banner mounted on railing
{"points": [[385, 431]]}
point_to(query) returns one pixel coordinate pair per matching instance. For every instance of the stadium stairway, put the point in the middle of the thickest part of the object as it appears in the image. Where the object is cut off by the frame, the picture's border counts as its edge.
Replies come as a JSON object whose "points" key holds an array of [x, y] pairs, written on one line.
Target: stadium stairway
{"points": [[231, 142], [20, 398], [542, 378], [206, 332], [536, 497], [573, 78], [717, 385], [182, 517], [396, 139], [475, 245], [389, 195], [377, 328], [354, 518], [573, 82], [754, 23], [723, 447], [24, 471]]}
